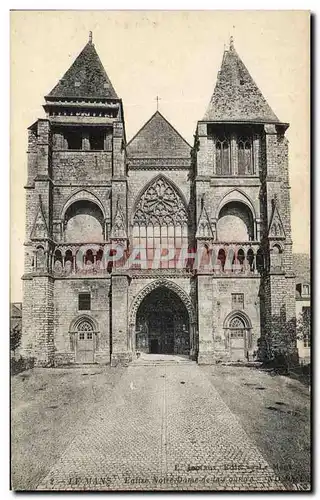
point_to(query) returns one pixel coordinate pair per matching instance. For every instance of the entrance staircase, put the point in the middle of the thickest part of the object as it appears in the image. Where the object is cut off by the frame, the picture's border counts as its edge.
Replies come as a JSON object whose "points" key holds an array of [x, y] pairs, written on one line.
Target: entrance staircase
{"points": [[161, 360]]}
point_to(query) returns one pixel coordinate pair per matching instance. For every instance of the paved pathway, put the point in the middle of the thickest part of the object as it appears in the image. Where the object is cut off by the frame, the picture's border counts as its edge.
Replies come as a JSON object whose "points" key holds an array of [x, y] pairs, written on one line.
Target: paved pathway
{"points": [[164, 428]]}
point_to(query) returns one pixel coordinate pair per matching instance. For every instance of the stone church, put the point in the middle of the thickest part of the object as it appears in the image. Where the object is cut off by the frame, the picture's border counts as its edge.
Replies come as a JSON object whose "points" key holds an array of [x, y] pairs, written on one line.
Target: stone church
{"points": [[92, 198]]}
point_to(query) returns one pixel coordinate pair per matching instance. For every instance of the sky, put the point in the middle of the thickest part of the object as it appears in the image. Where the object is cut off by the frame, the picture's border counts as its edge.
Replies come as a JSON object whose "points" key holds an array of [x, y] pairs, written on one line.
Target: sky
{"points": [[171, 54]]}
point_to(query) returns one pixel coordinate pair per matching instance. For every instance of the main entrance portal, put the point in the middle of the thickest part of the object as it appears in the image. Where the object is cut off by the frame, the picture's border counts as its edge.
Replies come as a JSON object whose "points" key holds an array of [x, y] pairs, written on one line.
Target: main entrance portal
{"points": [[162, 324]]}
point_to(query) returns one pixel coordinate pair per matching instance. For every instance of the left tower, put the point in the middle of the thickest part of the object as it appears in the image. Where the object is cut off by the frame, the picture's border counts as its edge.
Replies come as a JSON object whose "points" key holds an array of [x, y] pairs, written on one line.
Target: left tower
{"points": [[76, 159]]}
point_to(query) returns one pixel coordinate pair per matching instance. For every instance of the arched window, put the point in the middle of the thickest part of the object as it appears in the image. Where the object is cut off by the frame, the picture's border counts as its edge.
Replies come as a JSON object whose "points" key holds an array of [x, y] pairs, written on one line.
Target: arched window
{"points": [[68, 260], [83, 222], [88, 259], [40, 258], [99, 258], [239, 331], [85, 330], [250, 258], [245, 156], [57, 265], [221, 258], [238, 260], [260, 260], [276, 257], [235, 222], [236, 323], [223, 164], [161, 219]]}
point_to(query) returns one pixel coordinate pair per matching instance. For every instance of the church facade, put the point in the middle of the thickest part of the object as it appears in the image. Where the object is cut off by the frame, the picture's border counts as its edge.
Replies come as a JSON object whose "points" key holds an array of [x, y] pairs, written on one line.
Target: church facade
{"points": [[155, 245]]}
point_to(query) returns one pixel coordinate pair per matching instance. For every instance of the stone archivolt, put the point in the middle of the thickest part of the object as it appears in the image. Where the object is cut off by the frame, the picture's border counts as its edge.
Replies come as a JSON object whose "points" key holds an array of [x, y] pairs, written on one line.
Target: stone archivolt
{"points": [[171, 286]]}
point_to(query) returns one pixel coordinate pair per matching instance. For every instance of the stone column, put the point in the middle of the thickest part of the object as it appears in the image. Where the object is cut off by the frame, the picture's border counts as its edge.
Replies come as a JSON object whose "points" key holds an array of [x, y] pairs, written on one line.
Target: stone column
{"points": [[214, 156], [204, 156], [256, 154], [205, 319], [120, 353], [41, 339], [234, 155], [85, 141]]}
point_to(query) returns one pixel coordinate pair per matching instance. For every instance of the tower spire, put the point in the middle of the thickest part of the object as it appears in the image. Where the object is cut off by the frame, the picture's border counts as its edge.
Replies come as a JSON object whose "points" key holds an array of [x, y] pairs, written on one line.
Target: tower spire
{"points": [[236, 96], [86, 77]]}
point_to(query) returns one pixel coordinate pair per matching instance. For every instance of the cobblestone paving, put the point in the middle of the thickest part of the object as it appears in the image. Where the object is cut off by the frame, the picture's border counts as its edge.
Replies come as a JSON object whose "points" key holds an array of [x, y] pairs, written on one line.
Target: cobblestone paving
{"points": [[166, 428]]}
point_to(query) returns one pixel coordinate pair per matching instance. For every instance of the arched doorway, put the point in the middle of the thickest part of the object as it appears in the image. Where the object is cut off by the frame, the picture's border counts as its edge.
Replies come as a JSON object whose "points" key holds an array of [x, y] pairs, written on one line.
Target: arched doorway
{"points": [[238, 335], [162, 324], [83, 339]]}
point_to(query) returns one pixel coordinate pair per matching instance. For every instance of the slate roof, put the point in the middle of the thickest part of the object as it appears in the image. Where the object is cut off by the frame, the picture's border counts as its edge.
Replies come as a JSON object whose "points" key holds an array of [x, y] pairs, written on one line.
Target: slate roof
{"points": [[16, 310], [86, 77], [301, 267], [236, 96], [158, 139]]}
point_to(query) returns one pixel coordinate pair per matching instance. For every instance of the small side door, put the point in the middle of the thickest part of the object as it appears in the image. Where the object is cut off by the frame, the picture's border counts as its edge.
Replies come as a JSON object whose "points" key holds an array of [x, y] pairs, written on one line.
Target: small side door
{"points": [[85, 347]]}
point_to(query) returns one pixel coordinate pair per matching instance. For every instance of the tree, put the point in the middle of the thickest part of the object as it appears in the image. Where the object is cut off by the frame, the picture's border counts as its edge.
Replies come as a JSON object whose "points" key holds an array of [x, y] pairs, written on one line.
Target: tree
{"points": [[15, 337], [304, 325]]}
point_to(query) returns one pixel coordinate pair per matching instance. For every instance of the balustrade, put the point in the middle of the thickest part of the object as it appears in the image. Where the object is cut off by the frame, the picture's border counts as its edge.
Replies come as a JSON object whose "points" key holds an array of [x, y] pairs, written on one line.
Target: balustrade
{"points": [[218, 258], [225, 258], [72, 259]]}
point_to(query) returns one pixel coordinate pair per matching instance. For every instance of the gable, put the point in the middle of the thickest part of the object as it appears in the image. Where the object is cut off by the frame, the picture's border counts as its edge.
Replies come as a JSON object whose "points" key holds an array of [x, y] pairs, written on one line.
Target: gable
{"points": [[276, 229], [158, 139], [204, 229], [16, 310], [40, 228], [118, 230]]}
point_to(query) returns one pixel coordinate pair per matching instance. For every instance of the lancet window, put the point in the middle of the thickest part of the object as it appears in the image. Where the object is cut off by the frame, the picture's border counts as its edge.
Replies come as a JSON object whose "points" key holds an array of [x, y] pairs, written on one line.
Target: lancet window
{"points": [[245, 156], [161, 219], [223, 160]]}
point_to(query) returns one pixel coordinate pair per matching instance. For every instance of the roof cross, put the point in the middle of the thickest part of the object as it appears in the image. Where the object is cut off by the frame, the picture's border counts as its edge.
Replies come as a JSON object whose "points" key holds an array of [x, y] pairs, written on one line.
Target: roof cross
{"points": [[158, 99]]}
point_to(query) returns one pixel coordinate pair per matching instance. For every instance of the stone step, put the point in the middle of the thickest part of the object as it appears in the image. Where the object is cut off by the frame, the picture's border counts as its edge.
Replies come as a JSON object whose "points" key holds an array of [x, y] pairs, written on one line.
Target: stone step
{"points": [[161, 363], [242, 363], [136, 365]]}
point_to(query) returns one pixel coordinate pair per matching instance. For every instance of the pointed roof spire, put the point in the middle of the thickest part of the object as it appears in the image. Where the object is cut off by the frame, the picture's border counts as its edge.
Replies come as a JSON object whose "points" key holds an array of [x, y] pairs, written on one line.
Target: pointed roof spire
{"points": [[85, 78], [236, 96], [40, 228], [204, 229], [118, 230]]}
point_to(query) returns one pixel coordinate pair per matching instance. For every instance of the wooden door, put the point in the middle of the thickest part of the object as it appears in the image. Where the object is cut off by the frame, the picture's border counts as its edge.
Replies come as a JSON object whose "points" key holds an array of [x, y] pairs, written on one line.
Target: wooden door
{"points": [[238, 344], [167, 334], [85, 347]]}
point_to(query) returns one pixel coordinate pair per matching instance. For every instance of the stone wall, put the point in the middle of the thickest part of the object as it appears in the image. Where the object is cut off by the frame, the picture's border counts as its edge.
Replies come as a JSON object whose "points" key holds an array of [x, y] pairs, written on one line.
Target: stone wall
{"points": [[82, 166], [215, 304], [66, 311]]}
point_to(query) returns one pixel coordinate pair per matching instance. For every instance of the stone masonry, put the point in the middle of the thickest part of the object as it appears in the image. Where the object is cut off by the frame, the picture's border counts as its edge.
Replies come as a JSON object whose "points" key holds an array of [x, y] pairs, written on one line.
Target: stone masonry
{"points": [[91, 195]]}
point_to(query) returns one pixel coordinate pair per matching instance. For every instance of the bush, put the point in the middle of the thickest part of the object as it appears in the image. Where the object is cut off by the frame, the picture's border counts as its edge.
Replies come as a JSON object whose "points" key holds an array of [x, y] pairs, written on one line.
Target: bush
{"points": [[15, 337], [20, 365]]}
